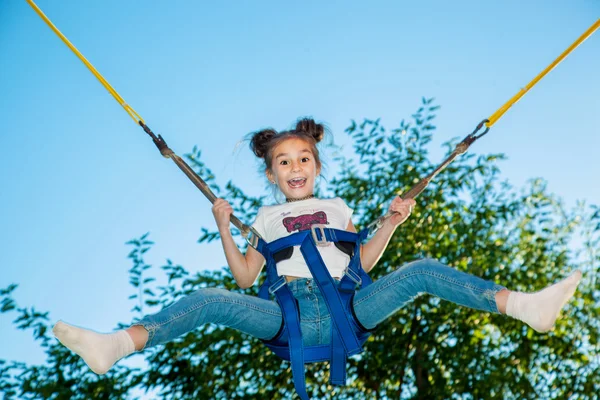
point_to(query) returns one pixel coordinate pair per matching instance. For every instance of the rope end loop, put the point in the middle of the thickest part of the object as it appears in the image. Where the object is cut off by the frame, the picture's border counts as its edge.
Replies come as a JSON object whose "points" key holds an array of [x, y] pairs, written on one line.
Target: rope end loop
{"points": [[473, 136]]}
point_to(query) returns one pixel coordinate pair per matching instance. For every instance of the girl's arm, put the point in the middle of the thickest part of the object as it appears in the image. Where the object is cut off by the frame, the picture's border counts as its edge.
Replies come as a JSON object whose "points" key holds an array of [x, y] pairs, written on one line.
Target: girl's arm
{"points": [[372, 251], [245, 269]]}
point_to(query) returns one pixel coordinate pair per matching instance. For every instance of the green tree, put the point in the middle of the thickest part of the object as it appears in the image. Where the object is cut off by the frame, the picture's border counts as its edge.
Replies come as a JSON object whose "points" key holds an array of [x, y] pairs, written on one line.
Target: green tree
{"points": [[467, 218]]}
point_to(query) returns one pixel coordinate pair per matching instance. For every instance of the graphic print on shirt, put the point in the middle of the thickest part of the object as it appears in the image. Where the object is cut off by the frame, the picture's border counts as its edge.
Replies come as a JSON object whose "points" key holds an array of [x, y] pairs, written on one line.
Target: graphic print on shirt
{"points": [[305, 221]]}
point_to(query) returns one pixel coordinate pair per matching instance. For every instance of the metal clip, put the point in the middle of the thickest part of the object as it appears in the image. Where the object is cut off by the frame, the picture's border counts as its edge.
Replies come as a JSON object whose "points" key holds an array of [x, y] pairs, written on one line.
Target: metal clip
{"points": [[375, 225], [252, 238], [321, 228], [277, 285], [352, 275]]}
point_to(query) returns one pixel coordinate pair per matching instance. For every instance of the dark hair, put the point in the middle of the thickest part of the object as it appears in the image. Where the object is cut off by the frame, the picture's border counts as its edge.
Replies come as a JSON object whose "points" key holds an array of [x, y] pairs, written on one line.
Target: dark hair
{"points": [[263, 142]]}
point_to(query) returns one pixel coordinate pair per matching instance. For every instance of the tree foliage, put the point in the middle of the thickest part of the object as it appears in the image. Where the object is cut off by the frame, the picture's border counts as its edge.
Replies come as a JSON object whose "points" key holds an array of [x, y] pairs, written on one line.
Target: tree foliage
{"points": [[468, 218]]}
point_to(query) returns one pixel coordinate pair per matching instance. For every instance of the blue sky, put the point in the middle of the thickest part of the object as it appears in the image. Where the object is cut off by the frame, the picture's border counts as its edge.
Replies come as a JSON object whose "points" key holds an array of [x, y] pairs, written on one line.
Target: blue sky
{"points": [[79, 178]]}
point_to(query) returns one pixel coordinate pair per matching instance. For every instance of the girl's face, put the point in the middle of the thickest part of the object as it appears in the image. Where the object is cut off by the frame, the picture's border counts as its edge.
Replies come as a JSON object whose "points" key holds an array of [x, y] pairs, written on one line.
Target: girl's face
{"points": [[294, 168]]}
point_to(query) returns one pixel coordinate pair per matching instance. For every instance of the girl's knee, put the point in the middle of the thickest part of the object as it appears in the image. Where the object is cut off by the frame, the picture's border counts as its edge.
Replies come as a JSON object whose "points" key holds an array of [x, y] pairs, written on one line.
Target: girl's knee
{"points": [[420, 272], [418, 265], [208, 296]]}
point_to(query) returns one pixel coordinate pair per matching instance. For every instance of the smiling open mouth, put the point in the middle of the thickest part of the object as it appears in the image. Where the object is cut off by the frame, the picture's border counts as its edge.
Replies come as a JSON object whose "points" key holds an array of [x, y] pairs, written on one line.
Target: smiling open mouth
{"points": [[297, 182]]}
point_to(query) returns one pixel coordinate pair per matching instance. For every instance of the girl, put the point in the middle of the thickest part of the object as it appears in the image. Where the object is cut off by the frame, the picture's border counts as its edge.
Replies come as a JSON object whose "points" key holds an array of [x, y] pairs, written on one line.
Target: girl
{"points": [[292, 164]]}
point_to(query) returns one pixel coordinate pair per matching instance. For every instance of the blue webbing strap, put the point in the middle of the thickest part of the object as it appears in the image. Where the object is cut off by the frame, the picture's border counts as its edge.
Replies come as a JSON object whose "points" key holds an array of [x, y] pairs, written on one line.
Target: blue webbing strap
{"points": [[332, 297], [291, 317], [337, 365], [343, 340], [343, 335], [355, 275]]}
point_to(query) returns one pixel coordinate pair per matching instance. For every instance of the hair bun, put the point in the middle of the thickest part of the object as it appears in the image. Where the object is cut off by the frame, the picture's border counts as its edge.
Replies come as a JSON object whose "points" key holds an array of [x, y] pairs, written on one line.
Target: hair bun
{"points": [[311, 128], [260, 141]]}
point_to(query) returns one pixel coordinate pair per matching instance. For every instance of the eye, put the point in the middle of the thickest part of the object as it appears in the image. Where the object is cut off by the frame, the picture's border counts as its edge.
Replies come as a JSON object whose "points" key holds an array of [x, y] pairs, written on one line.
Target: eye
{"points": [[283, 162], [305, 159]]}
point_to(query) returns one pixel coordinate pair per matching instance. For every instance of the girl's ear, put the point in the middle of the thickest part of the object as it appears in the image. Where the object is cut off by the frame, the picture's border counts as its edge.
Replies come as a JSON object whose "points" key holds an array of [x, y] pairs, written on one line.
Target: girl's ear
{"points": [[270, 176]]}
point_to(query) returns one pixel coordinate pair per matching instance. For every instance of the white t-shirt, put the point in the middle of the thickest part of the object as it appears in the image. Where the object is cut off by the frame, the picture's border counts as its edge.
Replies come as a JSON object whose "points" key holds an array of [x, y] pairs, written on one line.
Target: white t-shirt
{"points": [[277, 221]]}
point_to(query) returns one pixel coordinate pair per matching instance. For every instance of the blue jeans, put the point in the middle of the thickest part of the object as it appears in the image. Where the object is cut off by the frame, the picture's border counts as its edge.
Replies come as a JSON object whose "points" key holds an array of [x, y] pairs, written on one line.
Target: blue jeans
{"points": [[372, 305]]}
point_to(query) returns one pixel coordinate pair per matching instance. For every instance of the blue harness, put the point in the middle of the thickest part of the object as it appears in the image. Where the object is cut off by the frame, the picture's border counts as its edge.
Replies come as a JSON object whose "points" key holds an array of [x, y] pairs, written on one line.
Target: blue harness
{"points": [[347, 334]]}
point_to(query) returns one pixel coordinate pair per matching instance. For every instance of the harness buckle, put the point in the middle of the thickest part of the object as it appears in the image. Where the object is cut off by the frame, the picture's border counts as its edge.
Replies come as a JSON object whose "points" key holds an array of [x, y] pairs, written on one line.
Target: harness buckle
{"points": [[281, 282], [353, 276], [320, 228]]}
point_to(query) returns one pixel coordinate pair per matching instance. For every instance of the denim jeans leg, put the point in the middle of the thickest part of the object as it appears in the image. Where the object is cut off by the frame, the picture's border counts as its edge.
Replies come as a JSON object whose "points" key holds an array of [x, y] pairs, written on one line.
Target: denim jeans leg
{"points": [[249, 314], [387, 295]]}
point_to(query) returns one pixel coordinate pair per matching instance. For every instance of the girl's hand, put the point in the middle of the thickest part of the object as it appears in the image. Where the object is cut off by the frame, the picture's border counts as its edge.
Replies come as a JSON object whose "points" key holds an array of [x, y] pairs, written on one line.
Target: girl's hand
{"points": [[403, 208], [222, 211]]}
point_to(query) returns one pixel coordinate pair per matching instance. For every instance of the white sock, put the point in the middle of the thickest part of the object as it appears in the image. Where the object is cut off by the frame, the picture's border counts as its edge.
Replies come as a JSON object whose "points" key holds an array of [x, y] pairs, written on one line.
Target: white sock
{"points": [[99, 350], [539, 310]]}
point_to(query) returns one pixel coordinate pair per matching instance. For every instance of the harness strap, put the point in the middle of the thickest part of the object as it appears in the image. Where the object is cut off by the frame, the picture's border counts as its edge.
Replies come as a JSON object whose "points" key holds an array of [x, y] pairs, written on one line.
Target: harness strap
{"points": [[337, 370], [332, 297], [291, 317], [338, 297]]}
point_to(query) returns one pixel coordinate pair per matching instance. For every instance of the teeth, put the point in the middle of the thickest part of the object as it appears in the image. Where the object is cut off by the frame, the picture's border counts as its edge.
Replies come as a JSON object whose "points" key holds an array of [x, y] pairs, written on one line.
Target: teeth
{"points": [[297, 182]]}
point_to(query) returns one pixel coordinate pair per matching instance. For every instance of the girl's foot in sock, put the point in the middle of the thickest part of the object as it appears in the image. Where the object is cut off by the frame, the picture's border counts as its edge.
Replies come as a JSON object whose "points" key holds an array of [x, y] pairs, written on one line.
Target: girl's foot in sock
{"points": [[539, 310], [99, 350]]}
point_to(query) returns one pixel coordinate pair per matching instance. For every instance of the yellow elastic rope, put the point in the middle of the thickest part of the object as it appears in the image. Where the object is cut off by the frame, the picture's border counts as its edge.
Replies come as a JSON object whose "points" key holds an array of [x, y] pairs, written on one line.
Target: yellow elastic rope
{"points": [[500, 112], [136, 117], [491, 120]]}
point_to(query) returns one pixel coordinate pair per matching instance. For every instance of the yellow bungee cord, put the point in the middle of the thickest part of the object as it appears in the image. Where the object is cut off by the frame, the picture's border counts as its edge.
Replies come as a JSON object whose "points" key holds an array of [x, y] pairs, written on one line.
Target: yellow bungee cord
{"points": [[500, 112], [248, 232]]}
